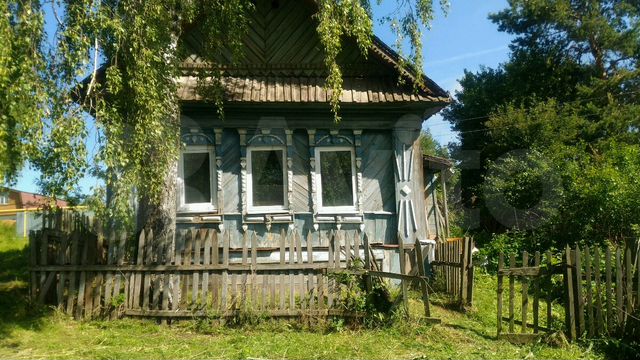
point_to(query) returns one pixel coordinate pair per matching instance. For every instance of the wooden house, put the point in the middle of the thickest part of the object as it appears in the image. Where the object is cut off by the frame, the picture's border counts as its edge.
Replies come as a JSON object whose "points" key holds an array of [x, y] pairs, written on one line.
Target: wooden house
{"points": [[279, 161]]}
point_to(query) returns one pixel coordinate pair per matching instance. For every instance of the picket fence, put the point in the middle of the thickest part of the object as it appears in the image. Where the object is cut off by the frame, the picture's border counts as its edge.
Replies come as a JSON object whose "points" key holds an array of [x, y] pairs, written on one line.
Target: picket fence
{"points": [[198, 273]]}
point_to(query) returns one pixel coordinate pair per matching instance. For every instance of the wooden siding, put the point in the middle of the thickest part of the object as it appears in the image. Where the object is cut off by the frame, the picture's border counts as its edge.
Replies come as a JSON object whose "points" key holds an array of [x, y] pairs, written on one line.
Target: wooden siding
{"points": [[301, 198], [282, 61], [377, 172], [231, 186]]}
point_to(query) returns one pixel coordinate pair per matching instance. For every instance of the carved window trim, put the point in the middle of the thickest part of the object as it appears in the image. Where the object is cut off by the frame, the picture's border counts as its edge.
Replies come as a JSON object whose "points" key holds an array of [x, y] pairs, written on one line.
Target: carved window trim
{"points": [[210, 206], [347, 209], [251, 209]]}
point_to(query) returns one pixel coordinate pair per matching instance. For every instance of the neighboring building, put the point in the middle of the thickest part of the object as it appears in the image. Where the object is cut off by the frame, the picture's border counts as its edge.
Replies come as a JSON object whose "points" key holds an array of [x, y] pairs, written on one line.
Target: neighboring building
{"points": [[436, 171], [21, 208]]}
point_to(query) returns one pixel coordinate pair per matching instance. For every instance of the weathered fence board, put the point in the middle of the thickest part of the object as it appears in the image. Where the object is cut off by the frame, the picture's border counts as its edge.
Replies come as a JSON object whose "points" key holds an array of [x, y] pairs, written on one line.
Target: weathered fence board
{"points": [[583, 293], [453, 268]]}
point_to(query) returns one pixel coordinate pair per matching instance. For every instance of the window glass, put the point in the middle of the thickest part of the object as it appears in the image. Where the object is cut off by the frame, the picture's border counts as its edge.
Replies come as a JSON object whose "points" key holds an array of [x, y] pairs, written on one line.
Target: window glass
{"points": [[337, 178], [197, 178], [267, 179], [4, 198]]}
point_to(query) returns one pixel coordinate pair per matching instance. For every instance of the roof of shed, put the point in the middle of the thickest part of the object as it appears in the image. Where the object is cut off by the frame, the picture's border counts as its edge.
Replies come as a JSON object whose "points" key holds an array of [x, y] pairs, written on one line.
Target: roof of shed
{"points": [[436, 162]]}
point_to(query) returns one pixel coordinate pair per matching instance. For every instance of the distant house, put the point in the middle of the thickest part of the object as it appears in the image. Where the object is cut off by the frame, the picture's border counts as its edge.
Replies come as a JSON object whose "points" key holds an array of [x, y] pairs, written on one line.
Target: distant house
{"points": [[15, 206]]}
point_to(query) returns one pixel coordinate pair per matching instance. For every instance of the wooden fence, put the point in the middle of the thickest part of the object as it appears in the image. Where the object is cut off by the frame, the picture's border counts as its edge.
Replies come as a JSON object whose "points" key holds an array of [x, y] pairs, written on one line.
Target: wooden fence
{"points": [[198, 273], [597, 292], [453, 268], [603, 293]]}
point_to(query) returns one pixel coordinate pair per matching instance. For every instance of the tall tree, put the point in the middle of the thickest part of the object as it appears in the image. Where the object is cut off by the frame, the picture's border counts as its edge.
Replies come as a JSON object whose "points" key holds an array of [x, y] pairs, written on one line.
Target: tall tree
{"points": [[583, 53]]}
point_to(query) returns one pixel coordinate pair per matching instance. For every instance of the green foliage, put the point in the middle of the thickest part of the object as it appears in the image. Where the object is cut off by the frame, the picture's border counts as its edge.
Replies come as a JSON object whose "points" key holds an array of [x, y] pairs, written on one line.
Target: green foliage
{"points": [[22, 90], [430, 146], [556, 127]]}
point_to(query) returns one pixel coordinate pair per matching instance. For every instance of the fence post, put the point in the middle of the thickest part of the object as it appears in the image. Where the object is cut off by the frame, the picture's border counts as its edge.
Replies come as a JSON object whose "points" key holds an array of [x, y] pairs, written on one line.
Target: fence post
{"points": [[568, 280], [500, 290], [421, 273], [470, 273], [463, 271]]}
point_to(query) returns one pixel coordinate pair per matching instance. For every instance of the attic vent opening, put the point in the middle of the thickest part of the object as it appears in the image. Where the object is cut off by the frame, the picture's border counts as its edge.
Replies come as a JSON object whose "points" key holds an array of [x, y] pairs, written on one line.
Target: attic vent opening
{"points": [[275, 4]]}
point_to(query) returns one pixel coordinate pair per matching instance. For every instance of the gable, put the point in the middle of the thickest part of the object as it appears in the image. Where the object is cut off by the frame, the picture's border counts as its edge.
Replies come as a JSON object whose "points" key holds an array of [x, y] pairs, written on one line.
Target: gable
{"points": [[282, 60]]}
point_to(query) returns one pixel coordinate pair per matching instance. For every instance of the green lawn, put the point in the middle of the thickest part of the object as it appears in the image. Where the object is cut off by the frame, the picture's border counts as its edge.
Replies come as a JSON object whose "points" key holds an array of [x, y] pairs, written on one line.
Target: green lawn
{"points": [[29, 332]]}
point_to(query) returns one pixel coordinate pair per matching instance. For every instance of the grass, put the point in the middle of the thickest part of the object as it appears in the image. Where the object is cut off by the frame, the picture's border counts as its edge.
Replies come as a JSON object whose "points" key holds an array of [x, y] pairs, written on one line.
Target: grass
{"points": [[27, 331]]}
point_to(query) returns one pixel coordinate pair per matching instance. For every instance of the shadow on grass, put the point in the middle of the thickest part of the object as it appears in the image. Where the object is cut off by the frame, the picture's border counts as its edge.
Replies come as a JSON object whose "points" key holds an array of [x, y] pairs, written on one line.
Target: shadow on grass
{"points": [[16, 308], [470, 329]]}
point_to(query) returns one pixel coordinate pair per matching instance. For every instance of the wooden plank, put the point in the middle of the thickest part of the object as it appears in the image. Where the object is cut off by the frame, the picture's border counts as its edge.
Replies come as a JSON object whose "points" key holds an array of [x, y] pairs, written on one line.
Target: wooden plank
{"points": [[73, 254], [197, 246], [81, 283], [512, 291], [589, 301], [356, 245], [311, 277], [470, 273], [569, 305], [283, 255], [292, 261], [598, 294], [245, 257], [536, 295], [147, 276], [254, 277], [216, 278], [206, 260], [619, 293], [367, 262], [347, 250], [525, 293], [609, 290], [330, 265], [500, 291], [549, 300], [579, 298], [463, 270], [629, 282], [137, 287], [422, 272], [301, 278], [225, 275], [401, 255]]}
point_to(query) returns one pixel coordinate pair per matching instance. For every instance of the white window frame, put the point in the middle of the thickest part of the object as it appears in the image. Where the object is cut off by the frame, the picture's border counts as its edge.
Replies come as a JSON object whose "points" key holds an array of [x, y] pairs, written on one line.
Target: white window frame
{"points": [[204, 206], [285, 180], [347, 209], [4, 198]]}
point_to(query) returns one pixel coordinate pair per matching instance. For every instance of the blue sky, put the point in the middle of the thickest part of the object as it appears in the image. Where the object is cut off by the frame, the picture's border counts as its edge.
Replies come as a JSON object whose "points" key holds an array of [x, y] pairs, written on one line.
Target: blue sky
{"points": [[464, 39]]}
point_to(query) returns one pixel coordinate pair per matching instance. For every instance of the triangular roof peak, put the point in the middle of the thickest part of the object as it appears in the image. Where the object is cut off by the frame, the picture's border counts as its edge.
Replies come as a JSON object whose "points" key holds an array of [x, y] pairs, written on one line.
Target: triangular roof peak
{"points": [[282, 50]]}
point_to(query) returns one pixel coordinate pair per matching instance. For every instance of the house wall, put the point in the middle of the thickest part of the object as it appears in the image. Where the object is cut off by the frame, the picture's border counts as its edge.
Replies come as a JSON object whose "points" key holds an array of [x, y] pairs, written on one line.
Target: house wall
{"points": [[384, 144]]}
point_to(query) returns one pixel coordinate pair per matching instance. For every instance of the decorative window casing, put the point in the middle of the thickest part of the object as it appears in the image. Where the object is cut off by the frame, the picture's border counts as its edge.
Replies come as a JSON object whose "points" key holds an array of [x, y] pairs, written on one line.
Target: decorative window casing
{"points": [[335, 180], [197, 190], [267, 179]]}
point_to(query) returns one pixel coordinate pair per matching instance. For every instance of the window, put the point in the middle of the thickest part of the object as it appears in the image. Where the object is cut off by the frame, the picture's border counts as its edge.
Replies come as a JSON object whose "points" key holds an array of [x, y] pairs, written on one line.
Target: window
{"points": [[335, 178], [4, 198], [196, 193], [266, 174]]}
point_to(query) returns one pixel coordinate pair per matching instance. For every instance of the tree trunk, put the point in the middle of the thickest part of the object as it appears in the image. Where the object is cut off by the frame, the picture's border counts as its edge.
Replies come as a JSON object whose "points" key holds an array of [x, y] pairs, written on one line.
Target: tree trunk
{"points": [[160, 217]]}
